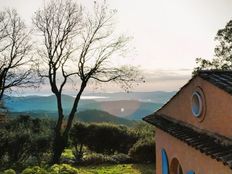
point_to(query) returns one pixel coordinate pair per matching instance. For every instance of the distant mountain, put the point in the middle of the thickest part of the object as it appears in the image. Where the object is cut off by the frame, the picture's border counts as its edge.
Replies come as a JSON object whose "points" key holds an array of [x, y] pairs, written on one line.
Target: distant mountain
{"points": [[154, 97], [87, 116], [130, 109], [96, 116], [41, 103], [132, 106]]}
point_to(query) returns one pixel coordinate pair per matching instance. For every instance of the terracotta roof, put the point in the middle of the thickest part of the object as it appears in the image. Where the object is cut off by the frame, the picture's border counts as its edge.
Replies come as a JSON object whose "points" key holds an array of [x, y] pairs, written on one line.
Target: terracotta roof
{"points": [[219, 78], [203, 142]]}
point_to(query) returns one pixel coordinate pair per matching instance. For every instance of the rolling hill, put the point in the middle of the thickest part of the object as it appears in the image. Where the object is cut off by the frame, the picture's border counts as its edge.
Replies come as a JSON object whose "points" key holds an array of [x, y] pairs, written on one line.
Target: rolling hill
{"points": [[132, 106], [96, 116]]}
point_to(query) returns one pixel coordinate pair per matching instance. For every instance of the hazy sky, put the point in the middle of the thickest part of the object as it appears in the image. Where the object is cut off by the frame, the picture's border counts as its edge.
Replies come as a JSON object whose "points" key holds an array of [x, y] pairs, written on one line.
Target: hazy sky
{"points": [[168, 34]]}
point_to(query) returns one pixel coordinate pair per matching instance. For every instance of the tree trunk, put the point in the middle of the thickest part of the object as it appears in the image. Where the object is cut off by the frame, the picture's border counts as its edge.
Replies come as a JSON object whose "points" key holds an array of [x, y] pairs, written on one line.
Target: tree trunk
{"points": [[61, 139], [60, 142]]}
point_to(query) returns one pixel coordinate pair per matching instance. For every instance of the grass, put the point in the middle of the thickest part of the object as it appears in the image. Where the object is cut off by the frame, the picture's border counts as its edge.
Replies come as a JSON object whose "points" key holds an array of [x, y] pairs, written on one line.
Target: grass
{"points": [[112, 169], [118, 169]]}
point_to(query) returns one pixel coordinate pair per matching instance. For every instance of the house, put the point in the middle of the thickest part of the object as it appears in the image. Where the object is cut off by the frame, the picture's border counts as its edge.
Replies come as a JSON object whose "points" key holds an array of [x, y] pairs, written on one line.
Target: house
{"points": [[194, 128]]}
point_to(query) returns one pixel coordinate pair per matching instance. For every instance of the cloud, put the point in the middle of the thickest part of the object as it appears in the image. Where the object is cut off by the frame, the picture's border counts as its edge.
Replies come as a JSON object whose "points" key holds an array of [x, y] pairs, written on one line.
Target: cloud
{"points": [[165, 79], [167, 75]]}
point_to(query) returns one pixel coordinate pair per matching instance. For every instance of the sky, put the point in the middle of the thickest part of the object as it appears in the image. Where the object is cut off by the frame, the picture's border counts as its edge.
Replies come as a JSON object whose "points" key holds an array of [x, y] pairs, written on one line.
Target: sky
{"points": [[168, 35]]}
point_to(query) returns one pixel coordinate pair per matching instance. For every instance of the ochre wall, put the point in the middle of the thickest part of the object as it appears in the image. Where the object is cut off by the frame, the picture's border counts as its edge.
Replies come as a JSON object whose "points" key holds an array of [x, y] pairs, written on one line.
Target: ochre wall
{"points": [[188, 157], [218, 116]]}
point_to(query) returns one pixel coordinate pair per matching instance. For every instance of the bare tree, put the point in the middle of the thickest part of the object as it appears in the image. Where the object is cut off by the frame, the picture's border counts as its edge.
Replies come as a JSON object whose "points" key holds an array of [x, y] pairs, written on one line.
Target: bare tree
{"points": [[15, 47], [78, 47]]}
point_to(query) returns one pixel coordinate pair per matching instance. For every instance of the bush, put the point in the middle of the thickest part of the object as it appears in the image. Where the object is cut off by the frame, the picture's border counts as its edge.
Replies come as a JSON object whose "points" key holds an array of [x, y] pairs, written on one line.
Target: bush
{"points": [[144, 130], [63, 169], [97, 158], [108, 139], [55, 169], [9, 171], [24, 141], [34, 170], [122, 158], [143, 151], [78, 135]]}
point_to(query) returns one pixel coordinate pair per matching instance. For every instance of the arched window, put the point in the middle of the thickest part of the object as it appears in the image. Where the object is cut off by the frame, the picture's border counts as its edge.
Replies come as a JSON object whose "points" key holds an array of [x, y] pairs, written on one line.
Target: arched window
{"points": [[190, 172], [165, 165], [175, 167]]}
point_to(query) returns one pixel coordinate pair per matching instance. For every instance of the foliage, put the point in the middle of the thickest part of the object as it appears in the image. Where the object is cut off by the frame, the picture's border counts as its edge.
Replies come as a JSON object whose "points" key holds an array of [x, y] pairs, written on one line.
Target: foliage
{"points": [[68, 154], [98, 116], [108, 138], [122, 158], [102, 169], [143, 151], [9, 171], [98, 159], [118, 169], [34, 170], [144, 130], [223, 52], [23, 139], [63, 169], [78, 135], [92, 158], [26, 141], [104, 138]]}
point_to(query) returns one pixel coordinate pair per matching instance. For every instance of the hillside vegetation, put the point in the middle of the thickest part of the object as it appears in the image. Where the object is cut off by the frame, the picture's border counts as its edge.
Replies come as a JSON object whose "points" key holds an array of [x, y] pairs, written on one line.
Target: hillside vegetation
{"points": [[96, 116]]}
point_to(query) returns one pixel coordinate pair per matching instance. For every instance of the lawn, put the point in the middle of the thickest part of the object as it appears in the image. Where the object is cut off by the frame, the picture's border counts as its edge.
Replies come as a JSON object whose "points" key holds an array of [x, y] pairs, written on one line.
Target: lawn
{"points": [[118, 169]]}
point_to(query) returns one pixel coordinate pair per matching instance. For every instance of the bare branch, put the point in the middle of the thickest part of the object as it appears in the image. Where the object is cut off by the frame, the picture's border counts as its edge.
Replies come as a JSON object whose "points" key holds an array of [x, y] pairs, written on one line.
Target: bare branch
{"points": [[16, 65]]}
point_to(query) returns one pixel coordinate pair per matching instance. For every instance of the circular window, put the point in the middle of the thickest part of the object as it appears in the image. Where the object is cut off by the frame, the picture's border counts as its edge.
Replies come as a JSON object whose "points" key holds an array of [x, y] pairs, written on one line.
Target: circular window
{"points": [[197, 104]]}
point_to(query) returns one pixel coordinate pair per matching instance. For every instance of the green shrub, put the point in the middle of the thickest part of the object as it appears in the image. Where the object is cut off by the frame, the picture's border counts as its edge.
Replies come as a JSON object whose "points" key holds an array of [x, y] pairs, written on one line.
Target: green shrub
{"points": [[34, 170], [78, 136], [96, 159], [144, 130], [108, 138], [122, 158], [68, 153], [63, 169], [143, 151], [102, 138], [9, 171], [24, 141]]}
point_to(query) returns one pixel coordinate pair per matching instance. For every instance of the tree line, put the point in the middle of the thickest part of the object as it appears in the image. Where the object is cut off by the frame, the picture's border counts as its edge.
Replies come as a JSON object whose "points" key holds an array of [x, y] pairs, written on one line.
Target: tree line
{"points": [[27, 141]]}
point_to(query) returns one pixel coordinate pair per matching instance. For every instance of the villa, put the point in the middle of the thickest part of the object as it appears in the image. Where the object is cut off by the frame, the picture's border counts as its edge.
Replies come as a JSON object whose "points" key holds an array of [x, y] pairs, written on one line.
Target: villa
{"points": [[194, 128]]}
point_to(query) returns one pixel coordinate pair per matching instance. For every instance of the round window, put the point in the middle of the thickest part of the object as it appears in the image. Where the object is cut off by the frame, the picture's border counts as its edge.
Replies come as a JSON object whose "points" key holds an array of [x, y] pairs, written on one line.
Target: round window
{"points": [[196, 104]]}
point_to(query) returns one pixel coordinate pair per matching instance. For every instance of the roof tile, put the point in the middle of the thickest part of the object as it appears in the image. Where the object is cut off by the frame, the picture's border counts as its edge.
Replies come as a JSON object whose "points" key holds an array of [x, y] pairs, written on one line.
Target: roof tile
{"points": [[219, 78], [201, 141]]}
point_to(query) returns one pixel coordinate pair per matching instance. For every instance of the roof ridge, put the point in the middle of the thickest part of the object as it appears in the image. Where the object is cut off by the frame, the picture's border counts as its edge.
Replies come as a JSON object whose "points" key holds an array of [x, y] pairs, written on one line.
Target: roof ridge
{"points": [[213, 70]]}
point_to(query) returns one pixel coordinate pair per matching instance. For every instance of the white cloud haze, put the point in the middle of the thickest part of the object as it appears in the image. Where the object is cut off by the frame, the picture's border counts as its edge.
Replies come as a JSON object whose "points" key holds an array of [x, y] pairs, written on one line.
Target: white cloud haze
{"points": [[168, 35]]}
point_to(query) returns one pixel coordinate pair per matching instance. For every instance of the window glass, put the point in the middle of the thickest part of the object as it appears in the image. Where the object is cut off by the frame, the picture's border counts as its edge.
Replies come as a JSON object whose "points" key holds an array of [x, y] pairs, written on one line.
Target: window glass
{"points": [[165, 166], [196, 104], [190, 172]]}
